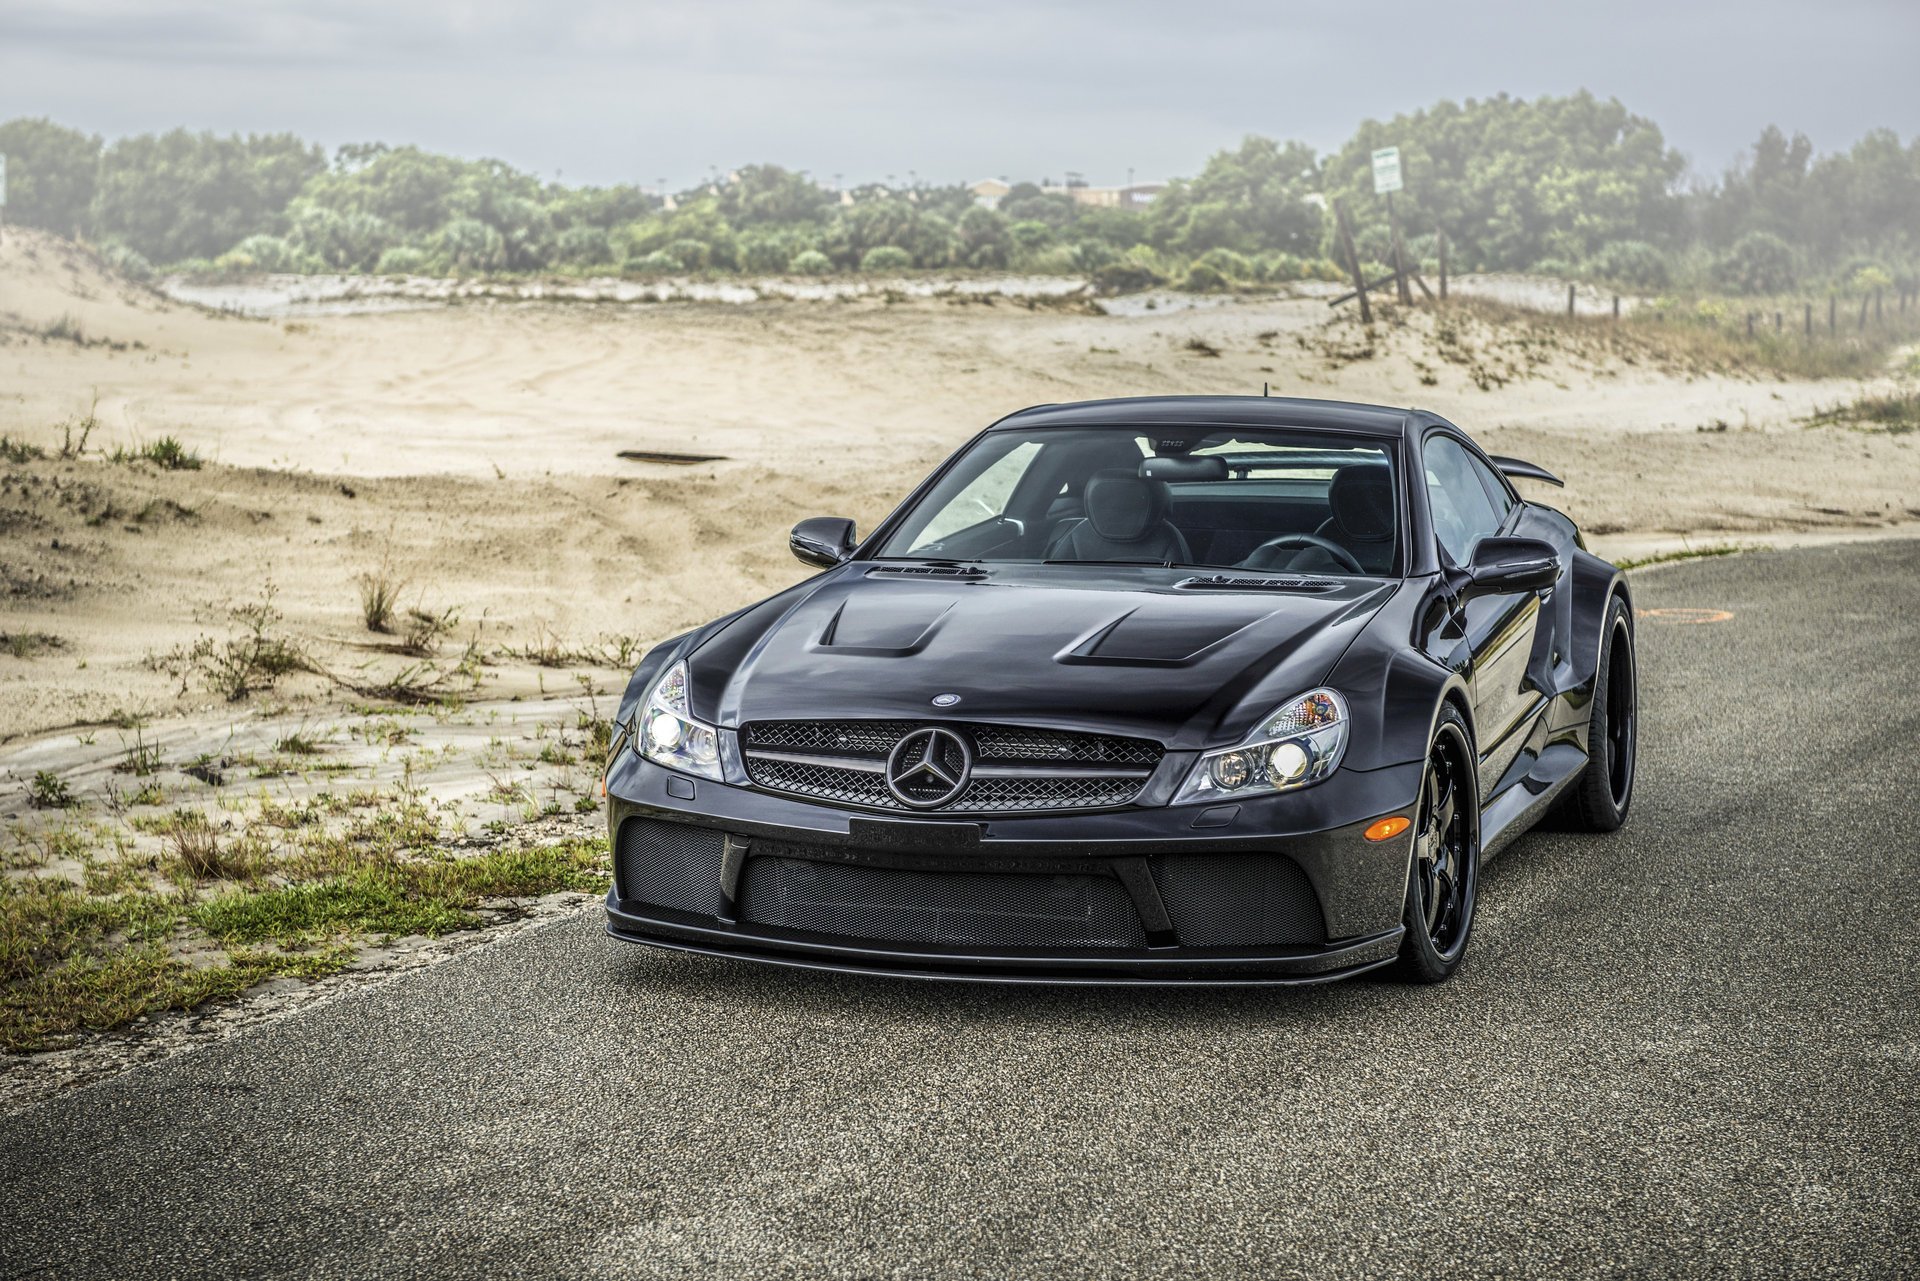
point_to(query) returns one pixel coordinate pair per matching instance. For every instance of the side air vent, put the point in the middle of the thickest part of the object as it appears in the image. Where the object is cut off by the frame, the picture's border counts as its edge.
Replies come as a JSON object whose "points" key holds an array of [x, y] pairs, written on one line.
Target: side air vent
{"points": [[926, 571], [1230, 583]]}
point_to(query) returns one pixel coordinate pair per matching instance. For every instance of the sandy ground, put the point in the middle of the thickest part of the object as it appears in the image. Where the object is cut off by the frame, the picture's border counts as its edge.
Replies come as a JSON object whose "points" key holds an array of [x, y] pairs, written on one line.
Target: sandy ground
{"points": [[472, 446]]}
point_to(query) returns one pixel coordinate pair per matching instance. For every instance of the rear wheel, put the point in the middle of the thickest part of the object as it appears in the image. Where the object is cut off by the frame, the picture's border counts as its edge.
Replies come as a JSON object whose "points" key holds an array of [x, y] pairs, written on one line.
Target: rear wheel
{"points": [[1598, 802], [1445, 876]]}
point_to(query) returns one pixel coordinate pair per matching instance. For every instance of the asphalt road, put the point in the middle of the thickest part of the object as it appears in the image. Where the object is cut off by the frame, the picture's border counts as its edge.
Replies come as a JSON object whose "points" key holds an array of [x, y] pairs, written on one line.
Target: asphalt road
{"points": [[1691, 1046]]}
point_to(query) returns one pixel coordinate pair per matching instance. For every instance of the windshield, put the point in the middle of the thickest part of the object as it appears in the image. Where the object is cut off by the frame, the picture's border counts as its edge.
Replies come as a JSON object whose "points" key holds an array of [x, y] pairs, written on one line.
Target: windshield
{"points": [[1284, 501]]}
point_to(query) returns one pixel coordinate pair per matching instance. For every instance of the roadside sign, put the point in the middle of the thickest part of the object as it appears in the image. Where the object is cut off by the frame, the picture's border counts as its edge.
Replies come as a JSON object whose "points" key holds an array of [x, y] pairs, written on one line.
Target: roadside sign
{"points": [[1386, 171]]}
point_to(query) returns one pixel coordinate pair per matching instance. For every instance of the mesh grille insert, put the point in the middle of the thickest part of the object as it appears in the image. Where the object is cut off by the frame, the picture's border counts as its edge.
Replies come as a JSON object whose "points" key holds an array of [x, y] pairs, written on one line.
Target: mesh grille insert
{"points": [[949, 908], [1239, 900], [669, 865], [847, 759]]}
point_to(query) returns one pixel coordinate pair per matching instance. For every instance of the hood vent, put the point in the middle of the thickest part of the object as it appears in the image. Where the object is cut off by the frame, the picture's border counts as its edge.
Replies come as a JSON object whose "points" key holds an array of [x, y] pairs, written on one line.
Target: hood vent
{"points": [[945, 572], [1229, 583]]}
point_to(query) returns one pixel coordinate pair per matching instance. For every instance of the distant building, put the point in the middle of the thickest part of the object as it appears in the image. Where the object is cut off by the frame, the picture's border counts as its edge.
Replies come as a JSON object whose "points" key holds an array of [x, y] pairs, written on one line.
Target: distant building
{"points": [[1135, 197], [989, 192]]}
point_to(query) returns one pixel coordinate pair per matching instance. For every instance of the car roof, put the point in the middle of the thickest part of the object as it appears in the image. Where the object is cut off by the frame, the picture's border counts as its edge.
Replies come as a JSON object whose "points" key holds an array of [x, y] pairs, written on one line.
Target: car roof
{"points": [[1220, 411]]}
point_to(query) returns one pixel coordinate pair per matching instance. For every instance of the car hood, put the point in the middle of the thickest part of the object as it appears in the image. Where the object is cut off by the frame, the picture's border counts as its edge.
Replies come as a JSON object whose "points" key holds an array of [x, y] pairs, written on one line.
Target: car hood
{"points": [[1118, 648]]}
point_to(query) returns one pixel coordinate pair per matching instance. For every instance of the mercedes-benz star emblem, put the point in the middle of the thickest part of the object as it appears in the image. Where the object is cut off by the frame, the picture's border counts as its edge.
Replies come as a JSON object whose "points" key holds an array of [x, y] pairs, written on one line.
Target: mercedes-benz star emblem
{"points": [[945, 700], [929, 768]]}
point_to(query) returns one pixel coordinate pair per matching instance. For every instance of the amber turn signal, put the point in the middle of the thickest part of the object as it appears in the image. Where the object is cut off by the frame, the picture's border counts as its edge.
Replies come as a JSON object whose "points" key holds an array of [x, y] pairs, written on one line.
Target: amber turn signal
{"points": [[1388, 828]]}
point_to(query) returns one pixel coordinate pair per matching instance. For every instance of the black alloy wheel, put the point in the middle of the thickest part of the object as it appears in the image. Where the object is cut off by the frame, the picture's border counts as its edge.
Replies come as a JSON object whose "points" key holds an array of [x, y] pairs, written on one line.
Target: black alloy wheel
{"points": [[1444, 878]]}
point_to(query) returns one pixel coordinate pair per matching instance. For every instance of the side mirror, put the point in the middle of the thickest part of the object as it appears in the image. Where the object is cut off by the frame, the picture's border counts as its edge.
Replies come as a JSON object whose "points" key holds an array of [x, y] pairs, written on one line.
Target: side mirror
{"points": [[822, 540], [1502, 565]]}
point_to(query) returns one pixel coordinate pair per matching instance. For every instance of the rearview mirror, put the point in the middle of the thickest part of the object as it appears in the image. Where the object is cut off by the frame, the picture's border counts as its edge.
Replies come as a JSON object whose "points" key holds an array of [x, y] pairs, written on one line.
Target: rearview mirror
{"points": [[822, 540], [1512, 565]]}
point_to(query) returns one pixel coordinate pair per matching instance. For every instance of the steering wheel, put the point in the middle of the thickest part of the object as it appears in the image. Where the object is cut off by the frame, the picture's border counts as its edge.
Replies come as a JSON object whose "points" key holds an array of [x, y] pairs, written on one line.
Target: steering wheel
{"points": [[1288, 541]]}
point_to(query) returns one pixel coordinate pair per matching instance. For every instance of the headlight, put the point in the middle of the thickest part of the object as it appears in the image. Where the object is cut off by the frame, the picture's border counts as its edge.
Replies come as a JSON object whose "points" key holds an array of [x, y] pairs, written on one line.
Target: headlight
{"points": [[668, 736], [1300, 744]]}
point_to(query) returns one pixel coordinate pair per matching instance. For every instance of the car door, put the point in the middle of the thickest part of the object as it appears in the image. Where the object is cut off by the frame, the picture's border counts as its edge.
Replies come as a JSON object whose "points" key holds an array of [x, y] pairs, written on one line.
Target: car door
{"points": [[1467, 506]]}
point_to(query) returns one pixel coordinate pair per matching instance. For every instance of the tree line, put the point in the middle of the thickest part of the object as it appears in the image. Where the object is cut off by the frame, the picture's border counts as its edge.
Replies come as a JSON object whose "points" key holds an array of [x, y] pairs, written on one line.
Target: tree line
{"points": [[1576, 186]]}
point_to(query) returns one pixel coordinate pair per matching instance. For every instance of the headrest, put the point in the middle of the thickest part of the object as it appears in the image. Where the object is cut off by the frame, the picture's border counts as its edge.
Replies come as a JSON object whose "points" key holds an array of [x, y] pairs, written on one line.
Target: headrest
{"points": [[1123, 506], [1362, 500]]}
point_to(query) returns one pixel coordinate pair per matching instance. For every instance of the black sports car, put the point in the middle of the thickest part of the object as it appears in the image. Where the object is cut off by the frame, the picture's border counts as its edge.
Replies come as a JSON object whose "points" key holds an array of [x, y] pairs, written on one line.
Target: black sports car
{"points": [[1191, 689]]}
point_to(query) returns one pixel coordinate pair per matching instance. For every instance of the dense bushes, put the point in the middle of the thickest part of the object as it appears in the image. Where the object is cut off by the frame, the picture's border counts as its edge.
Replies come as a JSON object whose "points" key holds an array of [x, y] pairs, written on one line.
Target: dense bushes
{"points": [[1758, 263], [1574, 186], [1633, 263]]}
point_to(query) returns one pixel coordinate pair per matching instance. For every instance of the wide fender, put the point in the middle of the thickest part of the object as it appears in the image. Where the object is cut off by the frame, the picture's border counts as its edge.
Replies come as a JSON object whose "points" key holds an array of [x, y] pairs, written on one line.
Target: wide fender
{"points": [[1595, 582], [1395, 691]]}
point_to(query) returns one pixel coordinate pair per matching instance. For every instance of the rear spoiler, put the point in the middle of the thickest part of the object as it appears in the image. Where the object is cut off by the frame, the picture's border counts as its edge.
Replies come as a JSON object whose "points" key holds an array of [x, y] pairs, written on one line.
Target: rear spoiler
{"points": [[1519, 469]]}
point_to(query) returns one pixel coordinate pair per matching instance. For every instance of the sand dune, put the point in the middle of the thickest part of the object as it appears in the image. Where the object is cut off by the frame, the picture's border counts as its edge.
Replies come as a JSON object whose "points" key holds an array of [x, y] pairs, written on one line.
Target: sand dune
{"points": [[474, 445]]}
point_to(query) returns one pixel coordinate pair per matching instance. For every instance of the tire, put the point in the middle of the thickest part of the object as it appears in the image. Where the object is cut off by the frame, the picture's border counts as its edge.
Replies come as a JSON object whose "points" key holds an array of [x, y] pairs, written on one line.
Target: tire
{"points": [[1598, 801], [1443, 876]]}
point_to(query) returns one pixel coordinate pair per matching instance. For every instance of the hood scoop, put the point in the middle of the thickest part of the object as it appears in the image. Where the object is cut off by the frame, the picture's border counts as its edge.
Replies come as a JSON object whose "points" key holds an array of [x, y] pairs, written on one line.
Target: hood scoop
{"points": [[895, 632], [1163, 634], [1231, 583]]}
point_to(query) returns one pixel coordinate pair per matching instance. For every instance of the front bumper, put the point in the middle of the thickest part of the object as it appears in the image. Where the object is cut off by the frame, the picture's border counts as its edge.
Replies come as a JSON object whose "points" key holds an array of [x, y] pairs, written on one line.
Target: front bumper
{"points": [[1275, 890]]}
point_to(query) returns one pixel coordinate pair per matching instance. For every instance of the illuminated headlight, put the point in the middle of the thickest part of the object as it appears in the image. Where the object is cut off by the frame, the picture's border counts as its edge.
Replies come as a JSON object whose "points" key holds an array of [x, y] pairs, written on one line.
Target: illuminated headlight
{"points": [[670, 736], [1299, 744]]}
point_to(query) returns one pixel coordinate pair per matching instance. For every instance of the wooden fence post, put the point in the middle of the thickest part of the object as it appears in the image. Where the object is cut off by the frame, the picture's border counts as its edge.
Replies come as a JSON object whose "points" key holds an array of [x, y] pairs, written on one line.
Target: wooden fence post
{"points": [[1776, 322], [1353, 259], [1616, 306], [1809, 320], [1569, 300], [1443, 263], [1399, 256], [1749, 324], [1864, 300]]}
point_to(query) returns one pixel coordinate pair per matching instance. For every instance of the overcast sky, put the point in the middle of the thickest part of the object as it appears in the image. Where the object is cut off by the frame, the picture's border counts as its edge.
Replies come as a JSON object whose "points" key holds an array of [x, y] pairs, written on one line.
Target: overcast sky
{"points": [[631, 90]]}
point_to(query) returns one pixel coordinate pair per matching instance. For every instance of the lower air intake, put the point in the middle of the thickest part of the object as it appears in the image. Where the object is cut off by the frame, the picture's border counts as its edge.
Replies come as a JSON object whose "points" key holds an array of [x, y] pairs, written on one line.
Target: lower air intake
{"points": [[1239, 900], [951, 909], [669, 865]]}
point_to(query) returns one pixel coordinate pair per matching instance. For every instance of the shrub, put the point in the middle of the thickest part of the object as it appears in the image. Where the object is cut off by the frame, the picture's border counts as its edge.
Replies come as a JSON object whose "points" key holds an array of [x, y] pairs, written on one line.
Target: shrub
{"points": [[886, 258], [584, 246], [1205, 278], [402, 260], [471, 245], [1758, 263], [1055, 260], [810, 262], [261, 253], [166, 452], [694, 255], [1558, 268], [1091, 255], [379, 594], [1126, 277], [1229, 264], [129, 262], [49, 792], [771, 249], [657, 263], [1631, 262], [1279, 268]]}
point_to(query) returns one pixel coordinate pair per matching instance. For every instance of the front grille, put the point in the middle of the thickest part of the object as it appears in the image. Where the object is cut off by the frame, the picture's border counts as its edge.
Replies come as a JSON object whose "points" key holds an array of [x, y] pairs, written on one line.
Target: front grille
{"points": [[948, 908], [1015, 768], [669, 865], [1239, 900]]}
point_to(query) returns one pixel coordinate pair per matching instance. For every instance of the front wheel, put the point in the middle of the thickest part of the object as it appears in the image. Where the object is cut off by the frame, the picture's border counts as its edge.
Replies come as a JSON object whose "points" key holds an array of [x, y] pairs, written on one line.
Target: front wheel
{"points": [[1445, 875]]}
